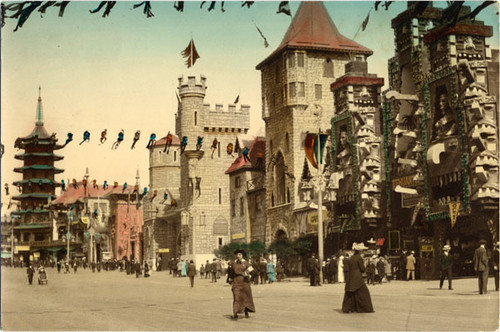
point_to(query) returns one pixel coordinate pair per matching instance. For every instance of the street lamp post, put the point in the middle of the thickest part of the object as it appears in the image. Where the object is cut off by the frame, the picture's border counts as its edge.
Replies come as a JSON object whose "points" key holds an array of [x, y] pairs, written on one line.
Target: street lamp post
{"points": [[319, 185]]}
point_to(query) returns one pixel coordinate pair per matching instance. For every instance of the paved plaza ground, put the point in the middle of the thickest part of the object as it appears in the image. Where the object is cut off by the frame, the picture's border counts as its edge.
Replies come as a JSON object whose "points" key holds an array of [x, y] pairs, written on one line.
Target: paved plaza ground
{"points": [[112, 300]]}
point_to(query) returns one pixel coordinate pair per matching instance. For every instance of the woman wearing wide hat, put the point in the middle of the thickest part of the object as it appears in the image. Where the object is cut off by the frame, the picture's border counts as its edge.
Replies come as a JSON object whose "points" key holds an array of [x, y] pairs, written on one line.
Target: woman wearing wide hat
{"points": [[242, 293], [357, 297]]}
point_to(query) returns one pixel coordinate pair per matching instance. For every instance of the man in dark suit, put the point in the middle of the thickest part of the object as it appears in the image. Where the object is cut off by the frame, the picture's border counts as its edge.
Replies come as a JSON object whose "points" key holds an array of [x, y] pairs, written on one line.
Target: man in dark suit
{"points": [[446, 265], [481, 266], [311, 267]]}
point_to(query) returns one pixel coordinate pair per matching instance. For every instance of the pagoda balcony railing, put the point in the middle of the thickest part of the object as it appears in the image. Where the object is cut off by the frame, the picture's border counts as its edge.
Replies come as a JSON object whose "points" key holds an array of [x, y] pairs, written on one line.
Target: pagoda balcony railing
{"points": [[47, 243]]}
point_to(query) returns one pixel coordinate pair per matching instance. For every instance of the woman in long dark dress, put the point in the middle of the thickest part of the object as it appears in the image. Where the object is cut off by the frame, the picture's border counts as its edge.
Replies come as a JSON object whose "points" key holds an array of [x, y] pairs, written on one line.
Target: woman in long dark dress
{"points": [[242, 293], [357, 297]]}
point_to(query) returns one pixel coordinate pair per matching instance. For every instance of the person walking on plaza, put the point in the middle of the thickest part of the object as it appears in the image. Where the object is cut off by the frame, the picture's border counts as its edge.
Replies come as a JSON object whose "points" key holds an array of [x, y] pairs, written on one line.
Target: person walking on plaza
{"points": [[242, 292], [191, 272], [179, 268], [333, 270], [381, 269], [270, 271], [208, 270], [254, 276], [218, 268], [137, 266], [317, 269], [311, 267], [75, 266], [202, 271], [30, 271], [59, 266], [410, 266], [388, 268], [280, 271], [446, 266], [183, 268], [370, 270], [494, 263], [146, 269], [262, 270], [340, 268], [357, 296], [213, 270], [481, 266]]}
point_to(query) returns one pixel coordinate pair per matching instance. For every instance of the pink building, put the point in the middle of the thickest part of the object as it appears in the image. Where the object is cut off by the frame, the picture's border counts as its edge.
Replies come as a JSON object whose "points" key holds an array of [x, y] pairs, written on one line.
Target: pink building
{"points": [[104, 223]]}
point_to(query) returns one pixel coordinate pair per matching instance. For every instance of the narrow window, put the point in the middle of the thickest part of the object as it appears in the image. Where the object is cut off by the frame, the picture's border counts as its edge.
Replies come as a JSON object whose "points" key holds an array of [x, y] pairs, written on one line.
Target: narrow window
{"points": [[328, 68], [301, 89], [195, 118], [218, 149], [291, 60], [233, 208], [242, 206], [220, 241], [293, 92], [318, 91], [175, 155], [300, 59], [220, 195]]}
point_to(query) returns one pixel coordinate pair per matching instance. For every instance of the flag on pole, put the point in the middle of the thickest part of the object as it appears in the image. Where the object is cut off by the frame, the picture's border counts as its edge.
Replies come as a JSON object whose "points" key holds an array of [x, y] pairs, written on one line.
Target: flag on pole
{"points": [[311, 148], [237, 100], [191, 54], [365, 22], [284, 8], [266, 44]]}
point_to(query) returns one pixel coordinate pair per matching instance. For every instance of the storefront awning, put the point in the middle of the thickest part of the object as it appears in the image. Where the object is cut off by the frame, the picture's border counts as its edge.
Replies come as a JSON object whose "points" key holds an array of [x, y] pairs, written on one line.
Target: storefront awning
{"points": [[6, 254]]}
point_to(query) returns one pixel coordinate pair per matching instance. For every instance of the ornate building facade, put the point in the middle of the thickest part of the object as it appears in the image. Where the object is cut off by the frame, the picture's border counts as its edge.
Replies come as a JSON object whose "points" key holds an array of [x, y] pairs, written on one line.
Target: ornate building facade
{"points": [[441, 132]]}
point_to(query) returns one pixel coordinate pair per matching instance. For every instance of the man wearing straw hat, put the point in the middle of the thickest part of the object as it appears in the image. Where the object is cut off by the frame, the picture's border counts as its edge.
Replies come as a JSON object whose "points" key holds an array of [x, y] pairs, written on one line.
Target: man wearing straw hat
{"points": [[357, 296], [446, 265]]}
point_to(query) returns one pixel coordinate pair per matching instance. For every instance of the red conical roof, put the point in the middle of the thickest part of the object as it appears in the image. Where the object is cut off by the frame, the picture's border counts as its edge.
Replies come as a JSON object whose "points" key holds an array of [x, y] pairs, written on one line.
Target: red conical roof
{"points": [[312, 28]]}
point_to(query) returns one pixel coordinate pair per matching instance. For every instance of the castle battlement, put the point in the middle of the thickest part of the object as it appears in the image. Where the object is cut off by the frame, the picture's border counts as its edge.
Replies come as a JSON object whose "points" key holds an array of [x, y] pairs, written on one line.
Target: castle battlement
{"points": [[231, 108], [191, 85]]}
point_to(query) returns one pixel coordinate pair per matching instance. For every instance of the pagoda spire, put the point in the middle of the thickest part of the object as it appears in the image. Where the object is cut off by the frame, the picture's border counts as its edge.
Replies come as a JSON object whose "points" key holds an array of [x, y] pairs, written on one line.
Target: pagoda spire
{"points": [[39, 108]]}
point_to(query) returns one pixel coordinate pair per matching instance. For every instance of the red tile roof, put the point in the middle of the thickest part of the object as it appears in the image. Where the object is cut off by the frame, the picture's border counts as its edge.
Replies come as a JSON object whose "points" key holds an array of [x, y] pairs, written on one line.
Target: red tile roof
{"points": [[163, 140], [72, 194], [312, 28], [256, 149]]}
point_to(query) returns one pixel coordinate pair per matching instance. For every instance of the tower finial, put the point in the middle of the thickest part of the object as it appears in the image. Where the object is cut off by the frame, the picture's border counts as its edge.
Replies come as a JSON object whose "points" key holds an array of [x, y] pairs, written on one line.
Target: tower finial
{"points": [[39, 108]]}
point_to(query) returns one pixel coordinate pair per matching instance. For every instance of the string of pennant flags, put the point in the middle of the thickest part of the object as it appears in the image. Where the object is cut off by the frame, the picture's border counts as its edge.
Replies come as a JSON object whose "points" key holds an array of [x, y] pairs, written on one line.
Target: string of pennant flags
{"points": [[151, 142]]}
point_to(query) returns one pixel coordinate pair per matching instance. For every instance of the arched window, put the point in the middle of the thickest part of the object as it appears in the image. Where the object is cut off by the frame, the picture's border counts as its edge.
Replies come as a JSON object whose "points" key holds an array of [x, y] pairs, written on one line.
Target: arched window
{"points": [[280, 179], [281, 235], [328, 68]]}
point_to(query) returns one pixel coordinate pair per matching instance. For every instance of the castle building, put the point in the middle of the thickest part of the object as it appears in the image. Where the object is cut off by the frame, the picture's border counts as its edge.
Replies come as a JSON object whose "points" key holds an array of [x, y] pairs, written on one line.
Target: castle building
{"points": [[441, 137], [247, 192], [297, 101], [37, 187], [160, 236], [198, 222]]}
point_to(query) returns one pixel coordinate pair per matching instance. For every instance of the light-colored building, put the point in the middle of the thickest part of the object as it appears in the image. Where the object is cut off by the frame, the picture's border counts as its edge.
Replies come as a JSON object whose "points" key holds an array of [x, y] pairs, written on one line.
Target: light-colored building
{"points": [[199, 221], [247, 192], [296, 101]]}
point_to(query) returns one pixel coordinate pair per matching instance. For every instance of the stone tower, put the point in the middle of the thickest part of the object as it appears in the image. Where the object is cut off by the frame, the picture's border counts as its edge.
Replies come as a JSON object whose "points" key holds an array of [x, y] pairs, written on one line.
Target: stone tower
{"points": [[296, 100], [203, 211]]}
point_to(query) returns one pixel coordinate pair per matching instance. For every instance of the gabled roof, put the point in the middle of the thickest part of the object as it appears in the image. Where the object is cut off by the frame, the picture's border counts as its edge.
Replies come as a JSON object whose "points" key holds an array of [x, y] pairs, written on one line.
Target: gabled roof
{"points": [[312, 28], [72, 195], [256, 150]]}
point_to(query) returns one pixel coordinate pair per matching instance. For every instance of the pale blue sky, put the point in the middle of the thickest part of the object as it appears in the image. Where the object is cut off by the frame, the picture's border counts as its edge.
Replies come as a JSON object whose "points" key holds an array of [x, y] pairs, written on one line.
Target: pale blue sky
{"points": [[120, 72]]}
